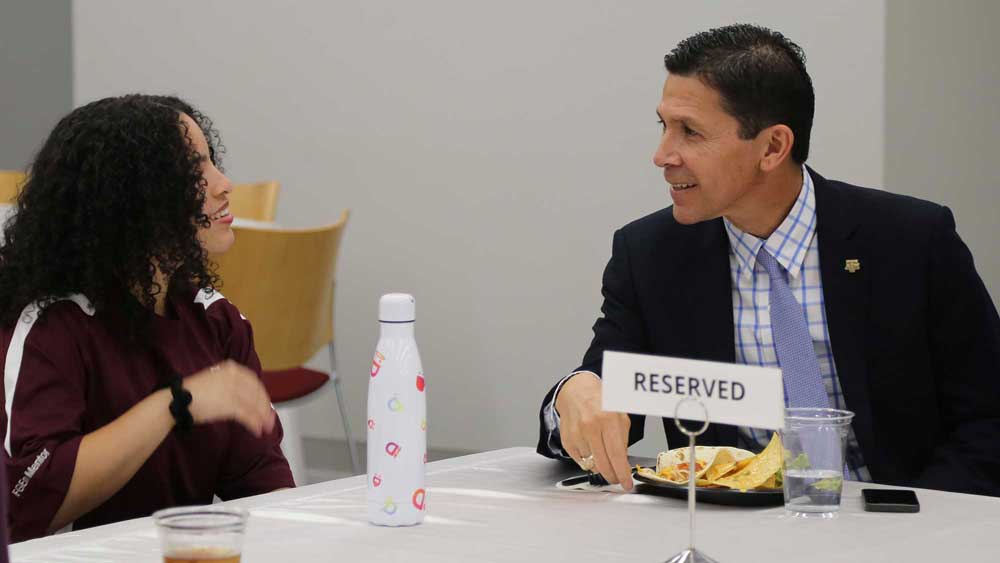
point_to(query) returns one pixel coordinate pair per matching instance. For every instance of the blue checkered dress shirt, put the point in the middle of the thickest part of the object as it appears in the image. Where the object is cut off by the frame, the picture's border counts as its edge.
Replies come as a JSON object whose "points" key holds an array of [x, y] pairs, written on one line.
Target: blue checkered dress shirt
{"points": [[794, 245]]}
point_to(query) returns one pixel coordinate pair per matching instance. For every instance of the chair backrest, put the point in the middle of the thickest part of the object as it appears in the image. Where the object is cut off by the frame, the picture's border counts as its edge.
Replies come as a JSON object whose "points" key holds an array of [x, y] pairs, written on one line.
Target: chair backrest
{"points": [[257, 201], [10, 183], [282, 280]]}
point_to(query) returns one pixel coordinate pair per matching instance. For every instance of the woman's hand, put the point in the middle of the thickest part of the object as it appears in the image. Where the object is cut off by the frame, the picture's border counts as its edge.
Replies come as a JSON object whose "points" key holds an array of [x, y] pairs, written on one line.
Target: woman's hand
{"points": [[229, 391]]}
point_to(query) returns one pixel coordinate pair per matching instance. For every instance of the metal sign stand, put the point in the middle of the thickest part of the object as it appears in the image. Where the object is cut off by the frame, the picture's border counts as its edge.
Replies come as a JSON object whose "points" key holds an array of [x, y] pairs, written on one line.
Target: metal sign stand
{"points": [[691, 555]]}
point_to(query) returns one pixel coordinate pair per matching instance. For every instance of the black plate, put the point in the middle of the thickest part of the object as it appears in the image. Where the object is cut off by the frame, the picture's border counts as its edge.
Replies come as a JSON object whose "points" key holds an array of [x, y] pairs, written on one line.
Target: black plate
{"points": [[731, 497]]}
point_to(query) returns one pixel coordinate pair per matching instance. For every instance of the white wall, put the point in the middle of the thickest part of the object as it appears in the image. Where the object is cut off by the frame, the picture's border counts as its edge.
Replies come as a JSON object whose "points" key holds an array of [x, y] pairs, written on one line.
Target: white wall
{"points": [[487, 151], [942, 116], [36, 58]]}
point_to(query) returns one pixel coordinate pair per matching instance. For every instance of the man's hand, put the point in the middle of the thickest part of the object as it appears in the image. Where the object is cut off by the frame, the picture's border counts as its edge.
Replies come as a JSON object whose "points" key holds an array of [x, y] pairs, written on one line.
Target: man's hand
{"points": [[587, 430]]}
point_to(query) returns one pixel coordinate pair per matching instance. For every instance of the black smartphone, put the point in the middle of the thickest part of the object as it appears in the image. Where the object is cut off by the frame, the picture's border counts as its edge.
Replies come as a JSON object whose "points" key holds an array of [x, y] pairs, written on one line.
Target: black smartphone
{"points": [[890, 500]]}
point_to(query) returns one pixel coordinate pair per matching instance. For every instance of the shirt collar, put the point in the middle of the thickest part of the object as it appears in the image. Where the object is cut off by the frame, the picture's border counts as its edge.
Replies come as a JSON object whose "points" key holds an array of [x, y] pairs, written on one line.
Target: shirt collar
{"points": [[788, 243]]}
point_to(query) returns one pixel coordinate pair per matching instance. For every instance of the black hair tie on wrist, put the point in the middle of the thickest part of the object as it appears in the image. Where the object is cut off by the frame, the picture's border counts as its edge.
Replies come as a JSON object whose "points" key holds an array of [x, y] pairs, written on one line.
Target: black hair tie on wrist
{"points": [[179, 405]]}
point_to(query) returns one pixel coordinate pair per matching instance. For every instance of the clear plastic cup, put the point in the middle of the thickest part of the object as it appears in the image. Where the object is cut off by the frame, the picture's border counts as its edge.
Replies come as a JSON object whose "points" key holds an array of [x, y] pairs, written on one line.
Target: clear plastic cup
{"points": [[814, 441], [201, 533]]}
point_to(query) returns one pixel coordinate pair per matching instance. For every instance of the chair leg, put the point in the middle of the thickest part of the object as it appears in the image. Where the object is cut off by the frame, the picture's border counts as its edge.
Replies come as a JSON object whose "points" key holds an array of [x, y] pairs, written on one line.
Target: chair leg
{"points": [[351, 445], [291, 443]]}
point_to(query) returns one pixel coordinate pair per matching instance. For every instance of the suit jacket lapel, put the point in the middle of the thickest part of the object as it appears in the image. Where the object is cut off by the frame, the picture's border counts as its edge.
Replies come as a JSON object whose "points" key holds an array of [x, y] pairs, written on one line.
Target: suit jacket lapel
{"points": [[710, 310], [711, 299], [846, 294]]}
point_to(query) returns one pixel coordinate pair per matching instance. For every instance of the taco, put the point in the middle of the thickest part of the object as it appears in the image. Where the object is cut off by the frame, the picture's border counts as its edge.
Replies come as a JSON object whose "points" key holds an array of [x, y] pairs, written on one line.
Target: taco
{"points": [[710, 461]]}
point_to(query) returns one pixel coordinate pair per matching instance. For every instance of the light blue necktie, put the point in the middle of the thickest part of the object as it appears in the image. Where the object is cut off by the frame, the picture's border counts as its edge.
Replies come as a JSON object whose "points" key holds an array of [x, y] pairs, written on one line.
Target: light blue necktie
{"points": [[796, 355]]}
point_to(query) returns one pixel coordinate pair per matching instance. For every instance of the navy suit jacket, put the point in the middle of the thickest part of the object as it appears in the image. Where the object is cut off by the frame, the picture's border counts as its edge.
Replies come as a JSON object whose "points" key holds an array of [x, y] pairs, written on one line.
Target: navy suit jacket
{"points": [[914, 333]]}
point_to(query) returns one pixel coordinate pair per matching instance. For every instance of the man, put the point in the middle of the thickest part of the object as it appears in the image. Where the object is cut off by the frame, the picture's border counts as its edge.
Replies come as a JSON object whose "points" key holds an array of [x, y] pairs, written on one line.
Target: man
{"points": [[875, 301]]}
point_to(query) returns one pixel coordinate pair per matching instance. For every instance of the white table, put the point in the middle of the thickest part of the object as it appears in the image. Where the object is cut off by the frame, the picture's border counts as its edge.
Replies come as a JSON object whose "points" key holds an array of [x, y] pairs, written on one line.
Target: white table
{"points": [[502, 506]]}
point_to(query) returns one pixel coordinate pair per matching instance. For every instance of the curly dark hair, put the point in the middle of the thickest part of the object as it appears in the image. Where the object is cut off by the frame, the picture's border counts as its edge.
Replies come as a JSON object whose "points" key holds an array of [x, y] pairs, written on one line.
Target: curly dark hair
{"points": [[760, 75], [115, 192]]}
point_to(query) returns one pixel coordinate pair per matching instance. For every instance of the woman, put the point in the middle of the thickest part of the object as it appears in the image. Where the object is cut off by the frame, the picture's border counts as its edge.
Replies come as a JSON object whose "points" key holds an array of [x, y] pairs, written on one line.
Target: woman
{"points": [[129, 383]]}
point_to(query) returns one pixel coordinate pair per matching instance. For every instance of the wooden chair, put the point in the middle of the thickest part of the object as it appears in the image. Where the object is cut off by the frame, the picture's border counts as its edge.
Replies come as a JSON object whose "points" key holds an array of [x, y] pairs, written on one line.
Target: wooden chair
{"points": [[10, 183], [283, 281], [257, 201]]}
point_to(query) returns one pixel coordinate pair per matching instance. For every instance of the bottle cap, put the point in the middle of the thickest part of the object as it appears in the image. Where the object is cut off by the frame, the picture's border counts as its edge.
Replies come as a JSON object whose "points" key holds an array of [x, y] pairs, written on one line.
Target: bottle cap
{"points": [[396, 308]]}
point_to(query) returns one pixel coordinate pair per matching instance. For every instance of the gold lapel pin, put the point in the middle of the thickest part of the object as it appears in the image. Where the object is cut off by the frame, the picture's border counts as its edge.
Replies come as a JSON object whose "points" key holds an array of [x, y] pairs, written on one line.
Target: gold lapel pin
{"points": [[852, 265]]}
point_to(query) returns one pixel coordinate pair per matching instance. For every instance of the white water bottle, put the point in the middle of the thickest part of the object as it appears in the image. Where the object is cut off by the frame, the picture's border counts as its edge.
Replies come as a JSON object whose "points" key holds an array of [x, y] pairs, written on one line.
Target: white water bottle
{"points": [[397, 419]]}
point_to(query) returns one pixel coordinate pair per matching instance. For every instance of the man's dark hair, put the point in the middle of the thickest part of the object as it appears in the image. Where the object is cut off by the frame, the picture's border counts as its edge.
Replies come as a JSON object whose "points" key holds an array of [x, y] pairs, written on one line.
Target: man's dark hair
{"points": [[760, 75]]}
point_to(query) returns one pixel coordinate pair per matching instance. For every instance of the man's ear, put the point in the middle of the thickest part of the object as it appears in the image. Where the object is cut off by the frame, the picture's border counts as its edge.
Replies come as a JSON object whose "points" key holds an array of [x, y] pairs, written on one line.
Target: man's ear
{"points": [[776, 141]]}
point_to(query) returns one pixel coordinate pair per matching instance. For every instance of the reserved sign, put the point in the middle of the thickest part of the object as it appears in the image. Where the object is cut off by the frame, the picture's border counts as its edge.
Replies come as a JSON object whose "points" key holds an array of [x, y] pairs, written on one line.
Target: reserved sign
{"points": [[732, 393]]}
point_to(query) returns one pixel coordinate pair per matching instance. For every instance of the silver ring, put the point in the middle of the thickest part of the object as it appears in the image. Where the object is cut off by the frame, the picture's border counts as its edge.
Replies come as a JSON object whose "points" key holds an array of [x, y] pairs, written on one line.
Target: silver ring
{"points": [[586, 463]]}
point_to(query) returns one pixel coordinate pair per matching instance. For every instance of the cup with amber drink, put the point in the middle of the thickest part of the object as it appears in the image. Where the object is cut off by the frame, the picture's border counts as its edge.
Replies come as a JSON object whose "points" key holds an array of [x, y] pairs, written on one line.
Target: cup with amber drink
{"points": [[206, 534]]}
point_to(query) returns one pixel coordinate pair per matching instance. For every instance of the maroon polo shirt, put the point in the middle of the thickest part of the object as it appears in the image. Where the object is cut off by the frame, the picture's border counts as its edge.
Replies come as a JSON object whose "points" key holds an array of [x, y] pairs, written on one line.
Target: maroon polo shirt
{"points": [[66, 375], [3, 512]]}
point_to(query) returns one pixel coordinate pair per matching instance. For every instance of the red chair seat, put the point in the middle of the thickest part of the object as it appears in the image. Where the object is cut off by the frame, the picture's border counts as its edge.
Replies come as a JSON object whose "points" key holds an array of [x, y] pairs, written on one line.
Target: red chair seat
{"points": [[290, 384]]}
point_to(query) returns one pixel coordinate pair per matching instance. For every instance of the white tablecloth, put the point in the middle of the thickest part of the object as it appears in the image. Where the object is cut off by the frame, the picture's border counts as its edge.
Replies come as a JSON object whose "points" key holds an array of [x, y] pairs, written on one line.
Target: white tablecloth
{"points": [[502, 506]]}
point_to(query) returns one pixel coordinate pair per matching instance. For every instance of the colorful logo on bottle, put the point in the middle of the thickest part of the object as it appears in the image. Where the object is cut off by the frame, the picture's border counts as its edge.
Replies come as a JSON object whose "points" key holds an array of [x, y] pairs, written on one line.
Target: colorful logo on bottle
{"points": [[418, 499], [395, 405], [389, 507], [392, 448], [377, 479], [420, 382], [371, 424], [377, 363], [423, 424]]}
